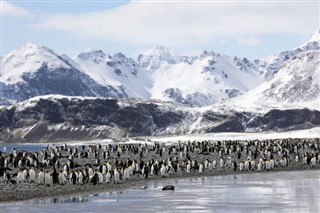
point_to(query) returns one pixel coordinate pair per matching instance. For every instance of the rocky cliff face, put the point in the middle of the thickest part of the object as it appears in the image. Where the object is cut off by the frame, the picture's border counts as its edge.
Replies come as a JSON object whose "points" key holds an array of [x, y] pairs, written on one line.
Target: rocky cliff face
{"points": [[63, 118], [60, 118]]}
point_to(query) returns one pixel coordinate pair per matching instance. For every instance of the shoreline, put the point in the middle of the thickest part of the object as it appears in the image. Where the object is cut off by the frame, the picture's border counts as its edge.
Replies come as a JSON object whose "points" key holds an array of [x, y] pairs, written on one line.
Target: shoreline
{"points": [[90, 167], [41, 192]]}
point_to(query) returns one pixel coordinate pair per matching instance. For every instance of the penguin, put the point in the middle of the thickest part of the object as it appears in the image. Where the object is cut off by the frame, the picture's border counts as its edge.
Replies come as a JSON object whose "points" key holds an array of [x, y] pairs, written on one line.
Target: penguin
{"points": [[73, 177], [20, 163], [313, 161], [210, 166], [201, 168], [41, 177], [90, 171], [32, 175], [235, 166], [104, 169], [3, 170], [229, 162], [145, 171], [259, 167], [100, 177], [25, 175], [116, 176], [55, 176], [241, 167], [267, 165], [81, 177], [20, 177], [214, 164], [246, 165], [253, 164], [108, 177], [62, 178], [7, 176], [126, 174], [94, 179], [47, 179], [163, 170], [188, 168]]}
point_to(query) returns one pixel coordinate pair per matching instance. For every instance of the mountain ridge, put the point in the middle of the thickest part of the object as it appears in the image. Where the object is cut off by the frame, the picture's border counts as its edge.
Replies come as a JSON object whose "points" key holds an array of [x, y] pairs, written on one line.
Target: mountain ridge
{"points": [[158, 73]]}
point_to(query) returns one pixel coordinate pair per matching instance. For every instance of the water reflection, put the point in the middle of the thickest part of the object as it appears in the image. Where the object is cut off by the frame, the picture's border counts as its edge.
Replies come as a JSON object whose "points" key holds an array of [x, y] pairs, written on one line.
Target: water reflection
{"points": [[65, 199], [267, 192]]}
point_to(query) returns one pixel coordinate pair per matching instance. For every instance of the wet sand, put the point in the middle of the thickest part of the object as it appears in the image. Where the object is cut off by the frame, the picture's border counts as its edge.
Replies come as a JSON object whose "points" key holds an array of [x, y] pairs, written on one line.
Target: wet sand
{"points": [[26, 191]]}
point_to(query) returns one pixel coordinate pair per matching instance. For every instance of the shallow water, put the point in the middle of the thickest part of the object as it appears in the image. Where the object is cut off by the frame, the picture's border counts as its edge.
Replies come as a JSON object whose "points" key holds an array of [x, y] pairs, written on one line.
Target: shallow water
{"points": [[22, 147], [263, 192]]}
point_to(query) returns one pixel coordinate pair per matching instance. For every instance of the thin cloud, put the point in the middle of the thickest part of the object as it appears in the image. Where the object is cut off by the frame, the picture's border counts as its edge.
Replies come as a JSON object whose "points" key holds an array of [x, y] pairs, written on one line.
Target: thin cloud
{"points": [[179, 24], [9, 9]]}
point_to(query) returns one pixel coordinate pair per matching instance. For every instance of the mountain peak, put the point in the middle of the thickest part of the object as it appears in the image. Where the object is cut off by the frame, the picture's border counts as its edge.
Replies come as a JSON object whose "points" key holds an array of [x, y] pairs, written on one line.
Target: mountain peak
{"points": [[93, 54], [30, 44], [158, 57], [316, 36], [159, 50]]}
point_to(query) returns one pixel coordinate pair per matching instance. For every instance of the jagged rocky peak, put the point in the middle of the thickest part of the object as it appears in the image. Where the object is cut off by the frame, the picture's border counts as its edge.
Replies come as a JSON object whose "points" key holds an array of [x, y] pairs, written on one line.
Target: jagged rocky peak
{"points": [[93, 54], [206, 54], [128, 62], [157, 58], [119, 55], [160, 51]]}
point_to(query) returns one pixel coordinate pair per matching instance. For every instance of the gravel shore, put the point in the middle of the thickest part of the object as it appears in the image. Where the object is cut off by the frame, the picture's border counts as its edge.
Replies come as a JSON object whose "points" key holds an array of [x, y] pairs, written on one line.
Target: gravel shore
{"points": [[10, 192]]}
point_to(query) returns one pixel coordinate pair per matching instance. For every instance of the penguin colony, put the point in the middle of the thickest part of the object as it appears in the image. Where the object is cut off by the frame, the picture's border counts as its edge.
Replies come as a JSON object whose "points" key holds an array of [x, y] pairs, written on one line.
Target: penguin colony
{"points": [[116, 163]]}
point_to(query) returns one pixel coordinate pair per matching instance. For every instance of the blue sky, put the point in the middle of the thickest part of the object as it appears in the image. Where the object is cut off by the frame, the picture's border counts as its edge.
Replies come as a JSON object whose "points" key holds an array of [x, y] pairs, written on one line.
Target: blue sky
{"points": [[251, 29]]}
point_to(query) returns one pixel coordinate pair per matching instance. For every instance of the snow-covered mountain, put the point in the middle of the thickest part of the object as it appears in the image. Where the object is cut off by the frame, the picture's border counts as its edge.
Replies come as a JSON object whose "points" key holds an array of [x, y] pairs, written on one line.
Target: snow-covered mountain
{"points": [[160, 73], [157, 58], [204, 79], [117, 71], [272, 64], [295, 84], [32, 71]]}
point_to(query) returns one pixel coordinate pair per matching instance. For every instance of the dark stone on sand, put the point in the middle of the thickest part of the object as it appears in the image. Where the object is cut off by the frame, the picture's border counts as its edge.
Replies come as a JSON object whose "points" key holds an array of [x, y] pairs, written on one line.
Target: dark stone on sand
{"points": [[169, 187]]}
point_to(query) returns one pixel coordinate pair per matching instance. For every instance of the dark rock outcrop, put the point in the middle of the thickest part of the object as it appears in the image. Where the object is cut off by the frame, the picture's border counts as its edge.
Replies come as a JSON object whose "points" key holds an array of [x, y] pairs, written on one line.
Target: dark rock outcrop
{"points": [[59, 118], [49, 119]]}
